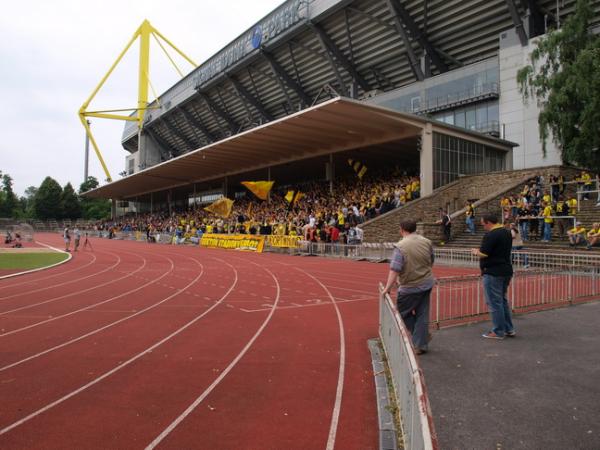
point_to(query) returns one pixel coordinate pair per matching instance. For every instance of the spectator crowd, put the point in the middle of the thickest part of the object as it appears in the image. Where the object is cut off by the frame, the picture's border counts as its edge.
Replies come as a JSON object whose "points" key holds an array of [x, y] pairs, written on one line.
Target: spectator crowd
{"points": [[323, 213]]}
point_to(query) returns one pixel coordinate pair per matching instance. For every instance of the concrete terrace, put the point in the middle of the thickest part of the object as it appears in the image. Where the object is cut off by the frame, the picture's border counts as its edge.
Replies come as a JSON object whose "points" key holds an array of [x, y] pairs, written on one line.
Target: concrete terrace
{"points": [[540, 390]]}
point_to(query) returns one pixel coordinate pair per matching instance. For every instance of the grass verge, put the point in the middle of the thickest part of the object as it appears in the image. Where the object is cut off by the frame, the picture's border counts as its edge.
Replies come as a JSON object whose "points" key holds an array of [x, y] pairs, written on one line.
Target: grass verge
{"points": [[28, 261], [393, 406]]}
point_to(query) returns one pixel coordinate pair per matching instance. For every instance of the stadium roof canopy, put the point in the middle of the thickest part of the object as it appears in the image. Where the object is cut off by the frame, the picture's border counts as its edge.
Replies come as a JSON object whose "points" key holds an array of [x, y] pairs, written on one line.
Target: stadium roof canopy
{"points": [[307, 51], [336, 125]]}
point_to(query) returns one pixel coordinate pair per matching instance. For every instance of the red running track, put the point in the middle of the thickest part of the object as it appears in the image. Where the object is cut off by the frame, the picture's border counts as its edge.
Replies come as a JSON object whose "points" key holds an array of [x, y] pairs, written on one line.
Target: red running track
{"points": [[142, 346]]}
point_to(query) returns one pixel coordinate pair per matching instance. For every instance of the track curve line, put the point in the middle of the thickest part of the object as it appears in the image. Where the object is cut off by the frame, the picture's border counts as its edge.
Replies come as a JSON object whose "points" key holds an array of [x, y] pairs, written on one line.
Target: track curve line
{"points": [[335, 416], [18, 330], [226, 371], [76, 280], [35, 280], [123, 319], [54, 299], [126, 363]]}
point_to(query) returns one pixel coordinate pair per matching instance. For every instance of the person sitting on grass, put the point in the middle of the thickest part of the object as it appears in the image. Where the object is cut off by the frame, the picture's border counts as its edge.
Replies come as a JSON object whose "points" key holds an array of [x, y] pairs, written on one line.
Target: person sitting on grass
{"points": [[593, 236], [17, 240], [576, 235]]}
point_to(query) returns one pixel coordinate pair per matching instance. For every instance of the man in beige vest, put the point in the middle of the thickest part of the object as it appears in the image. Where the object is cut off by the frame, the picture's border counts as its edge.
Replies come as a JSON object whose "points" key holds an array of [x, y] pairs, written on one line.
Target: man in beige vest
{"points": [[410, 268]]}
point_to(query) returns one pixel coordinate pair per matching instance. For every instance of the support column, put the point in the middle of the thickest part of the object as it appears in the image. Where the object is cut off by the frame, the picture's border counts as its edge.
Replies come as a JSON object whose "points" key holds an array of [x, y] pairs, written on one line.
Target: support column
{"points": [[331, 173], [113, 209], [169, 194], [151, 202], [426, 161]]}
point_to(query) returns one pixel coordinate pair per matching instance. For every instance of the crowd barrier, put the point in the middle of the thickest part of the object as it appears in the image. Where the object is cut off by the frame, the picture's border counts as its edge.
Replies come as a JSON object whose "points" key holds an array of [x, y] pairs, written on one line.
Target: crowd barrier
{"points": [[462, 298], [407, 378]]}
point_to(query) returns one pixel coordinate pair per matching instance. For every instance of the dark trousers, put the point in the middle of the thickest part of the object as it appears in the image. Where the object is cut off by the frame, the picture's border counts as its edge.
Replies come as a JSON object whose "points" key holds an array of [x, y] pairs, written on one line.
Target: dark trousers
{"points": [[414, 310]]}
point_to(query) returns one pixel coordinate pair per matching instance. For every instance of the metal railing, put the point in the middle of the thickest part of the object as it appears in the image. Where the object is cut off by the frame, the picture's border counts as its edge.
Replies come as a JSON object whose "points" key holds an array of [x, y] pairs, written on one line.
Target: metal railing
{"points": [[461, 299], [407, 378], [448, 256]]}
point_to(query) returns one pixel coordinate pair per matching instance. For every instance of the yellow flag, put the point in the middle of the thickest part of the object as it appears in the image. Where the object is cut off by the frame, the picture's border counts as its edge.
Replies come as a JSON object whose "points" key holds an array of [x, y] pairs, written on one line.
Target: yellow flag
{"points": [[221, 207], [259, 188], [359, 168]]}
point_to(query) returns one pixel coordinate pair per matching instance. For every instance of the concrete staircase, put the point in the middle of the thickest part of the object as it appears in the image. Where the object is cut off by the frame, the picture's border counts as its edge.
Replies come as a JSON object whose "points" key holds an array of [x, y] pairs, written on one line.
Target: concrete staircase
{"points": [[588, 214], [487, 189]]}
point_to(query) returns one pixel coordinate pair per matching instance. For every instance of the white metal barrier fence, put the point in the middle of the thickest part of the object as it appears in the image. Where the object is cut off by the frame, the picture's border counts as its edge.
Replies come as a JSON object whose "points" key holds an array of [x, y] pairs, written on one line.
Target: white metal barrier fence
{"points": [[407, 378]]}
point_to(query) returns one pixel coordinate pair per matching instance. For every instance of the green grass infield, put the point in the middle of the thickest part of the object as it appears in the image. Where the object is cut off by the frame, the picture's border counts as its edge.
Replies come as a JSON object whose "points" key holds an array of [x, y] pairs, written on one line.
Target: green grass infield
{"points": [[28, 261]]}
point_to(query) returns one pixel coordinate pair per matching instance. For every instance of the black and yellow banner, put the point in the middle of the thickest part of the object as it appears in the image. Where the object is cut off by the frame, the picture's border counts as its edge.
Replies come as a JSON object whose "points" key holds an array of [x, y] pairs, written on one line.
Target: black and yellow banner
{"points": [[284, 241], [359, 168], [293, 197], [233, 241]]}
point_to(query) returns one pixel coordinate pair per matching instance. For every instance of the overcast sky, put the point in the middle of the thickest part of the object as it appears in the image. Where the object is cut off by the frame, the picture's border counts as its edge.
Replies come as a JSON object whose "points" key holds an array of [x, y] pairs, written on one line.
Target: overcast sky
{"points": [[54, 53]]}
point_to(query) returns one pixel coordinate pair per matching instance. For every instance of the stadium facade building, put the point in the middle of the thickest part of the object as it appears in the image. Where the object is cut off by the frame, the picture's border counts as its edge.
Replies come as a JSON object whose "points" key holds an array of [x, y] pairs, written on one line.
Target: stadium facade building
{"points": [[442, 72]]}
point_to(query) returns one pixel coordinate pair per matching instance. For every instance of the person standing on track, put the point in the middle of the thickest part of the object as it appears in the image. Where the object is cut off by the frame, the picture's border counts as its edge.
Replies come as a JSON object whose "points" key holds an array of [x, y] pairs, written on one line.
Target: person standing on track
{"points": [[411, 270], [77, 234], [67, 238], [497, 271]]}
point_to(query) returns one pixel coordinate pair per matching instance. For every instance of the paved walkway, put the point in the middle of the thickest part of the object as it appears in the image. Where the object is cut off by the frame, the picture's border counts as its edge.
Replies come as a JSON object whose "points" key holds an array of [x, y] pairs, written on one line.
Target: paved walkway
{"points": [[540, 390]]}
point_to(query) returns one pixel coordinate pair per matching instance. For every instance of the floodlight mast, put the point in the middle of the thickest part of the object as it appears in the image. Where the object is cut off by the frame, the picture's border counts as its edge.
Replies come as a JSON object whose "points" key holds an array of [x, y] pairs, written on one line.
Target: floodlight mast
{"points": [[144, 32]]}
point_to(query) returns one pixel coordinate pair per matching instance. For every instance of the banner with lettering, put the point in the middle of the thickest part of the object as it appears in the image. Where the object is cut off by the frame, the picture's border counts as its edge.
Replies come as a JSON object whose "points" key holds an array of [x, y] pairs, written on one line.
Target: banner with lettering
{"points": [[233, 241]]}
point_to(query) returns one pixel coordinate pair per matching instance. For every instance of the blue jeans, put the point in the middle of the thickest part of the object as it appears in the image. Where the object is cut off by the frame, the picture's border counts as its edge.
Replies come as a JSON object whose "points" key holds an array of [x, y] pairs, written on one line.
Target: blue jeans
{"points": [[524, 227], [547, 231], [495, 289], [471, 224]]}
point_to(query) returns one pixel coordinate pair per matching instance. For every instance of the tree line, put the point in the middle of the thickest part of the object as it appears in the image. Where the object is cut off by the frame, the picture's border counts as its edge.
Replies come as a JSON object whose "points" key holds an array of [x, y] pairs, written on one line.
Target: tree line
{"points": [[51, 201]]}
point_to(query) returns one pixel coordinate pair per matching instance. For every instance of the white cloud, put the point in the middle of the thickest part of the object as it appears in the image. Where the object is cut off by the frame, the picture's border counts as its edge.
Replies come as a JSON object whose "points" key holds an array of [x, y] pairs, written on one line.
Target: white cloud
{"points": [[54, 53]]}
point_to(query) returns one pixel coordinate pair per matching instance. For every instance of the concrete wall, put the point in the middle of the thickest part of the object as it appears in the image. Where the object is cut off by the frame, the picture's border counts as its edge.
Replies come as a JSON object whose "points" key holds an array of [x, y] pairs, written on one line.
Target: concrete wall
{"points": [[519, 120]]}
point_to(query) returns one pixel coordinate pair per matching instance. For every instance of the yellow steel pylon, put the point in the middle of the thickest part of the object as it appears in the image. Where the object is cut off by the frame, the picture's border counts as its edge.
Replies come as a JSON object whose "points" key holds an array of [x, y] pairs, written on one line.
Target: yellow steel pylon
{"points": [[143, 32]]}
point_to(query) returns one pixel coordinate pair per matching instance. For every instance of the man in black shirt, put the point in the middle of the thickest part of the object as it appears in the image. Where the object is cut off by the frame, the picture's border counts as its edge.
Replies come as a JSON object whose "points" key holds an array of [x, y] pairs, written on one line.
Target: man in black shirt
{"points": [[496, 268]]}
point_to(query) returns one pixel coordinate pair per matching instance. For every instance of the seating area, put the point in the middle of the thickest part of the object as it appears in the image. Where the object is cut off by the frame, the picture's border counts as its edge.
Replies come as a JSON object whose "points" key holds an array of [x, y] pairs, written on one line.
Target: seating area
{"points": [[320, 208]]}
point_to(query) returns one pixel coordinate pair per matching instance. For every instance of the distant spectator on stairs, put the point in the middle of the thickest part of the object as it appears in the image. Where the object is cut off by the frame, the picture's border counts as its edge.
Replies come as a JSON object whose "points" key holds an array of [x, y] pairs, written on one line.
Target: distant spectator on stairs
{"points": [[593, 236], [446, 224], [470, 217], [576, 235], [547, 215], [562, 211]]}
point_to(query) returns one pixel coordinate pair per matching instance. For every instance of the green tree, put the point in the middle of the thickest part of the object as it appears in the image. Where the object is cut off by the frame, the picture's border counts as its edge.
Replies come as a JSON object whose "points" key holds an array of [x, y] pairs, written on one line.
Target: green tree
{"points": [[70, 203], [93, 208], [564, 78], [9, 202], [47, 201]]}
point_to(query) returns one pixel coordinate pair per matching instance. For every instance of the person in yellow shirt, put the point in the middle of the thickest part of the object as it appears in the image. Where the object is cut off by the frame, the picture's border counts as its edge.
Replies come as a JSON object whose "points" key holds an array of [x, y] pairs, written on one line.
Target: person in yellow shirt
{"points": [[576, 234], [572, 202], [547, 215], [586, 179], [593, 236]]}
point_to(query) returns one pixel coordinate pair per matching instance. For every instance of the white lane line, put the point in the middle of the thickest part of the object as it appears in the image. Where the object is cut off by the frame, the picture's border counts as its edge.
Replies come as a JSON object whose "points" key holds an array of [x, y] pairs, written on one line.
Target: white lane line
{"points": [[335, 416], [223, 374], [21, 283], [120, 366], [76, 280], [64, 344], [311, 305], [54, 299], [25, 272]]}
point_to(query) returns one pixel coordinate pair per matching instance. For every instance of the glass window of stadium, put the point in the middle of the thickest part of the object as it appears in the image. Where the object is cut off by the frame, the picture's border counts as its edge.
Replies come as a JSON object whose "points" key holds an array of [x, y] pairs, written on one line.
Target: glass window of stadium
{"points": [[453, 157]]}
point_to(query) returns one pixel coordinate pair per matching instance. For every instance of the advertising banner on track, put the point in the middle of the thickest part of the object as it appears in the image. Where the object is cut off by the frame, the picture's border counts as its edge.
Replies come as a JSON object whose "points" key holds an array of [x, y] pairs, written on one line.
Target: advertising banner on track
{"points": [[233, 241], [284, 241]]}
